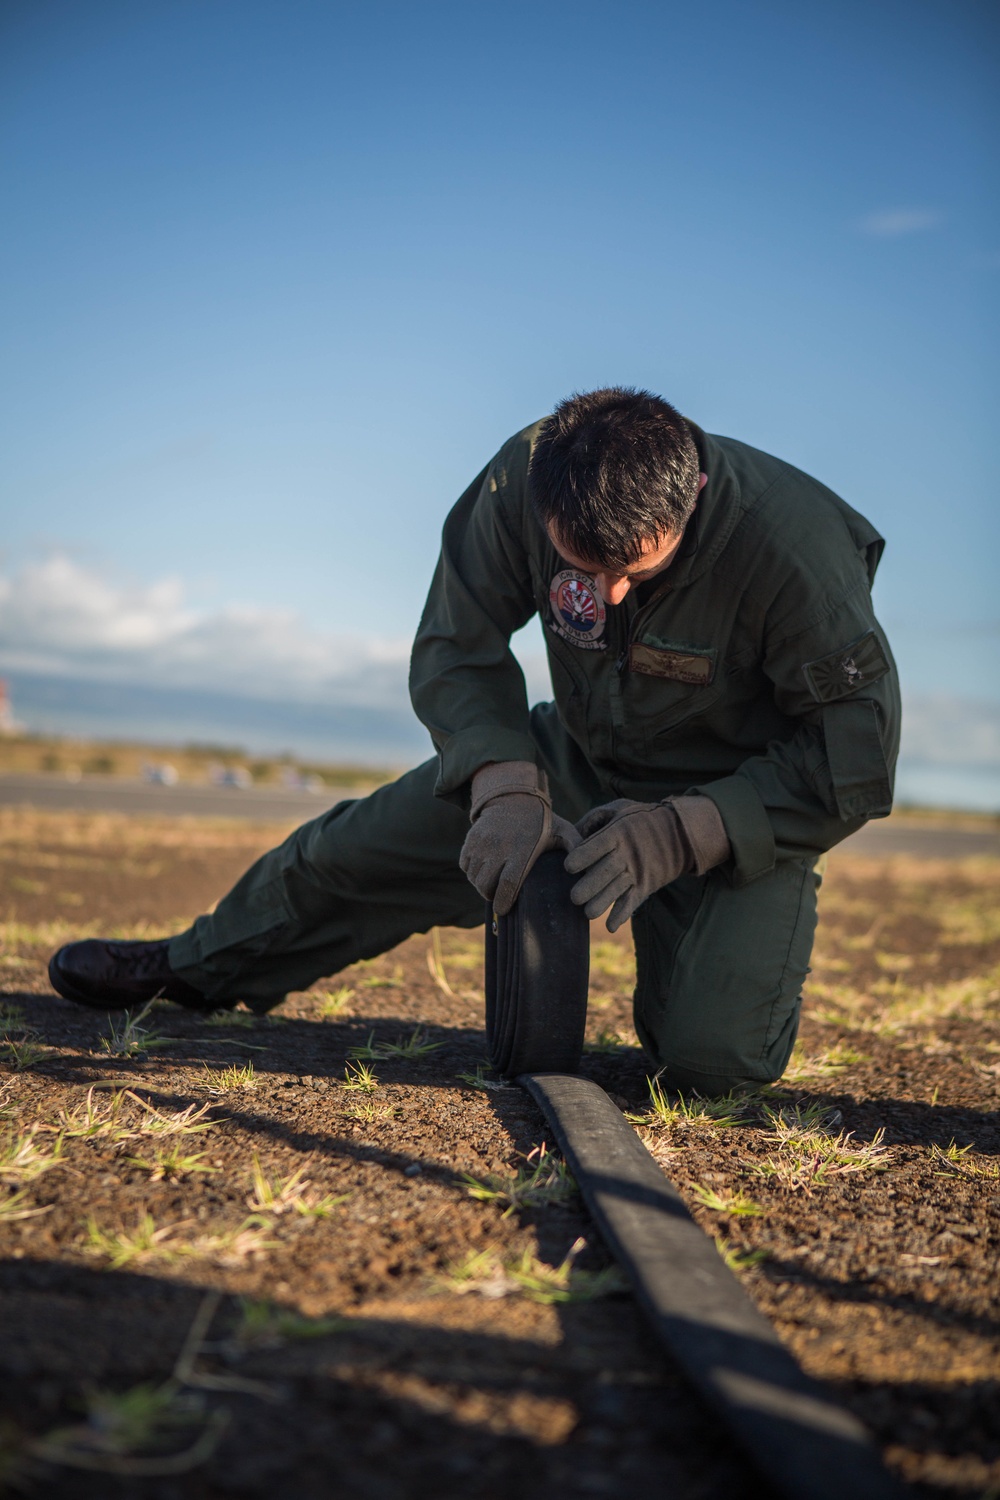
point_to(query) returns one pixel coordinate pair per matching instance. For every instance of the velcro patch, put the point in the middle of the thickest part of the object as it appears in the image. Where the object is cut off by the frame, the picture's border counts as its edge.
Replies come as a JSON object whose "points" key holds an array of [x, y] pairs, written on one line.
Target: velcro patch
{"points": [[862, 784], [696, 667], [854, 666]]}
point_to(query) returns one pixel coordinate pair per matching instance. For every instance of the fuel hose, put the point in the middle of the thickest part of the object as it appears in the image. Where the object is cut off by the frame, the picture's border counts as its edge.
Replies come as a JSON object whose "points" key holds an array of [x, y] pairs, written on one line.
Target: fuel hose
{"points": [[537, 976], [803, 1443]]}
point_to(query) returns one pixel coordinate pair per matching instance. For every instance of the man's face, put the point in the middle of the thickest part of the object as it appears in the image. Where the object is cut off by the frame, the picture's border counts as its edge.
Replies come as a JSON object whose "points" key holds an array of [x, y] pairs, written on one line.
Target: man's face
{"points": [[614, 585]]}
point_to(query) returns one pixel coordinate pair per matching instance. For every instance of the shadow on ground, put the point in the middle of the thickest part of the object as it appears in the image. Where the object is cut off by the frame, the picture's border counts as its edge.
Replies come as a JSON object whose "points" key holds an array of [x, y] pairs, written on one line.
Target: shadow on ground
{"points": [[375, 1407]]}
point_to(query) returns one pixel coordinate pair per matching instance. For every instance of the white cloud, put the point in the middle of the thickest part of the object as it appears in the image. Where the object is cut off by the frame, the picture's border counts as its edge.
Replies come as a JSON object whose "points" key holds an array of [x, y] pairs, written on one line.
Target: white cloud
{"points": [[945, 730], [890, 222], [58, 617]]}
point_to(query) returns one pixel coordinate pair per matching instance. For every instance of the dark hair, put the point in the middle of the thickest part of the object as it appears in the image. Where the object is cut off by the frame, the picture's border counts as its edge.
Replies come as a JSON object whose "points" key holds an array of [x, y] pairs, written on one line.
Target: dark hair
{"points": [[613, 471]]}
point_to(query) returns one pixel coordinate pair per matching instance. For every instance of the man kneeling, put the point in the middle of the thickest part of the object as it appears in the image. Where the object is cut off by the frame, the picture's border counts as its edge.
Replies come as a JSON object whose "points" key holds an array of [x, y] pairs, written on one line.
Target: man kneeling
{"points": [[726, 709]]}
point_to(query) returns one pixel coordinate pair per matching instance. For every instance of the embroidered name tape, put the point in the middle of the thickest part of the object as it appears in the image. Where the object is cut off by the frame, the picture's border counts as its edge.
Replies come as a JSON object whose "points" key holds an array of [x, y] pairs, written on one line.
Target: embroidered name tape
{"points": [[697, 667], [578, 612], [854, 666]]}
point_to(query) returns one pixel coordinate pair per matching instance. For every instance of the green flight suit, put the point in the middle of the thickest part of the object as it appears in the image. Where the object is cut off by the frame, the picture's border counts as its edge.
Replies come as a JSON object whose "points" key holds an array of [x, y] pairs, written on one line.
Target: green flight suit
{"points": [[752, 670]]}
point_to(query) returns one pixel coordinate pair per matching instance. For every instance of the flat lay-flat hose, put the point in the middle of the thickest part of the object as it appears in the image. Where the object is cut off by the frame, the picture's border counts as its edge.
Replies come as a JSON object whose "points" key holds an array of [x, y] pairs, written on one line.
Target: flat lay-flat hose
{"points": [[802, 1442], [537, 976]]}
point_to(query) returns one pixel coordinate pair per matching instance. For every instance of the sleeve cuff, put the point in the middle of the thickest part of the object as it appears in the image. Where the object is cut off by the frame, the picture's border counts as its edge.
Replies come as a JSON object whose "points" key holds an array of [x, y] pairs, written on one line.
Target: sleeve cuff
{"points": [[463, 753], [704, 830], [747, 824]]}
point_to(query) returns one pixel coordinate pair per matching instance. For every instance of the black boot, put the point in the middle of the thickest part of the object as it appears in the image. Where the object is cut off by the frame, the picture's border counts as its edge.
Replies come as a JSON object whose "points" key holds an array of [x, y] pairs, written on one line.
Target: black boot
{"points": [[117, 976]]}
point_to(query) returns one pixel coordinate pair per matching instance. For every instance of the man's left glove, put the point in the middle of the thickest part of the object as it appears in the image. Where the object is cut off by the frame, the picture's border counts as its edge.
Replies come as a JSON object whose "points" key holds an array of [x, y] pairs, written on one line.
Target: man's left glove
{"points": [[512, 824], [631, 849]]}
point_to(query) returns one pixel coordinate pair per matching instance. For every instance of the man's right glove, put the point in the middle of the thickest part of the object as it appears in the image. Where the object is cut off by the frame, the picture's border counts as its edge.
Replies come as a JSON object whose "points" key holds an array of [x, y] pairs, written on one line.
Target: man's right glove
{"points": [[512, 824]]}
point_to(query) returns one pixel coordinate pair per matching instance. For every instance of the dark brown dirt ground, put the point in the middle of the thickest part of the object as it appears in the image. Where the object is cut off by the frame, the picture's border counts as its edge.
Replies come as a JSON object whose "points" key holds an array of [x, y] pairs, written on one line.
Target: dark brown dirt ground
{"points": [[345, 1354]]}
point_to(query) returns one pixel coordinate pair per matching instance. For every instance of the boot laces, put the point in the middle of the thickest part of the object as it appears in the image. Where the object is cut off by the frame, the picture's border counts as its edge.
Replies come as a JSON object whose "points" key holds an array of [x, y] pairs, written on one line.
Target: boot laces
{"points": [[143, 960]]}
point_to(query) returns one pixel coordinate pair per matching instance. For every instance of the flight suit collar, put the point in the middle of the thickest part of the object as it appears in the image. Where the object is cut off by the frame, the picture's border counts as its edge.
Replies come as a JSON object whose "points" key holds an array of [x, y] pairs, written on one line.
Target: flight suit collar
{"points": [[714, 518]]}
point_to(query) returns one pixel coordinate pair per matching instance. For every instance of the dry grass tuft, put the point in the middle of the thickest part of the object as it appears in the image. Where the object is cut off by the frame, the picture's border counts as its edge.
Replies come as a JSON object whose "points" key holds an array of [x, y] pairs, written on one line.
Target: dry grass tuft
{"points": [[958, 1161], [276, 1195], [826, 1064], [360, 1079], [280, 1195], [21, 1052], [737, 1204], [667, 1113], [810, 1156], [127, 1038], [334, 1003], [739, 1260], [18, 1206], [546, 1180], [167, 1243], [488, 1275], [189, 1121], [367, 1112], [170, 1163], [22, 1159], [414, 1046], [234, 1079]]}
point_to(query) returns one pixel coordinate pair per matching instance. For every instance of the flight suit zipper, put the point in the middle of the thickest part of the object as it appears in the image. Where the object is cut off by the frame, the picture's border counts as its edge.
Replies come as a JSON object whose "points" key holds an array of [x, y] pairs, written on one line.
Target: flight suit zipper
{"points": [[621, 624], [625, 617], [622, 659], [620, 739]]}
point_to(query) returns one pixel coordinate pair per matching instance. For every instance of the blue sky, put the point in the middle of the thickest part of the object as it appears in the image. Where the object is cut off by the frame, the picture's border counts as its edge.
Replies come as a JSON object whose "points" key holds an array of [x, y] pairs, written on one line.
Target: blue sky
{"points": [[280, 277]]}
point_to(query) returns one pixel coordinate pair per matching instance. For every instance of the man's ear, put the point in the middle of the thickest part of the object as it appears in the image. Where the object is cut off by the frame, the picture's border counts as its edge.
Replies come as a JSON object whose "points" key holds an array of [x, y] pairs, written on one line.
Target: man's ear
{"points": [[702, 481]]}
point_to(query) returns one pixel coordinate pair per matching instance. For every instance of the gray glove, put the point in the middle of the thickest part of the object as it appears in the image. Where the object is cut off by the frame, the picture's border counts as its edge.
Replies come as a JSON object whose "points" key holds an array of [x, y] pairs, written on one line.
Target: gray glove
{"points": [[632, 849], [512, 824]]}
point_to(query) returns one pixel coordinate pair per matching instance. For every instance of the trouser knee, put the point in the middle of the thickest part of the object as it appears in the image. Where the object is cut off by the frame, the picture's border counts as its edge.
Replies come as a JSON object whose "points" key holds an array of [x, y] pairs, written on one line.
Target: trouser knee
{"points": [[720, 974], [737, 1074]]}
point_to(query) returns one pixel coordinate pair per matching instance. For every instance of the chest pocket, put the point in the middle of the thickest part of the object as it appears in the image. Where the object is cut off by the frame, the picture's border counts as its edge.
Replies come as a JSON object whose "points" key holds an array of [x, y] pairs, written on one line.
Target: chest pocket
{"points": [[668, 682], [661, 707], [677, 684]]}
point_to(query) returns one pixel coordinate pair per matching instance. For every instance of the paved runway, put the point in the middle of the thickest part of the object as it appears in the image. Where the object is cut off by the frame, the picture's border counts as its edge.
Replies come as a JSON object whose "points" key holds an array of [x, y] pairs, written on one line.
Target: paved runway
{"points": [[121, 794], [888, 836], [277, 805]]}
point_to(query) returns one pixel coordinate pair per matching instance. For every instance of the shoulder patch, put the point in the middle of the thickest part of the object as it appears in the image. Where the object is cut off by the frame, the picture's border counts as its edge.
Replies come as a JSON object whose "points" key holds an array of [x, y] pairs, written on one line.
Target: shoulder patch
{"points": [[854, 666]]}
